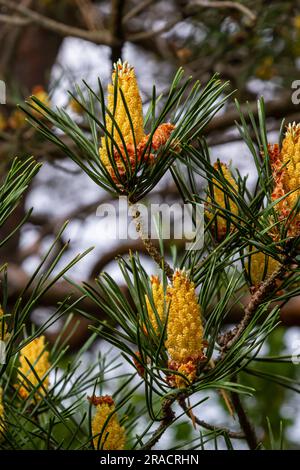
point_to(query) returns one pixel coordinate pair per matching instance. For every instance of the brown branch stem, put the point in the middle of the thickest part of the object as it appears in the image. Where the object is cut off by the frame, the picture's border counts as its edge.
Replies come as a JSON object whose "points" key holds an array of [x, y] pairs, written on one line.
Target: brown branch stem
{"points": [[229, 339], [246, 426], [117, 30], [208, 426], [275, 109], [98, 37], [135, 11], [225, 5], [14, 20], [168, 418]]}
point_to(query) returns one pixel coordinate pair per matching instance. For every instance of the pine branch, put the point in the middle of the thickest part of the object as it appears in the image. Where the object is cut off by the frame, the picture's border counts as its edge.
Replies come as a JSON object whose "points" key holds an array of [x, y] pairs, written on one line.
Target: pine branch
{"points": [[167, 420], [205, 425], [229, 339], [152, 250], [244, 421]]}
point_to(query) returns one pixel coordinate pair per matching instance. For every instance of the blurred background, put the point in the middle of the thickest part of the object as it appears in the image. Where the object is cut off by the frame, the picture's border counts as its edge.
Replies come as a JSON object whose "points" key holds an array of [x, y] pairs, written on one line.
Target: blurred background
{"points": [[49, 46]]}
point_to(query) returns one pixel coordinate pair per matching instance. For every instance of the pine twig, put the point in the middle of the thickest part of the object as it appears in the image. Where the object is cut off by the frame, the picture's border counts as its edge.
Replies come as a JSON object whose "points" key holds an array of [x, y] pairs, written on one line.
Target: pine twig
{"points": [[208, 426], [246, 426], [167, 420], [152, 250], [229, 339], [223, 392]]}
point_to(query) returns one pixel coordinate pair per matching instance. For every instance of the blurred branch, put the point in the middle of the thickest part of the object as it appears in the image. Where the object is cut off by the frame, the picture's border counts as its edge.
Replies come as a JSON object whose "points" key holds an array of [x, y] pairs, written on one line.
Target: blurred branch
{"points": [[118, 251], [278, 108], [185, 13], [49, 227], [137, 10], [137, 37], [103, 37], [14, 20], [117, 31], [90, 14], [220, 138], [289, 312], [18, 278], [98, 37], [224, 5], [56, 294], [11, 37]]}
